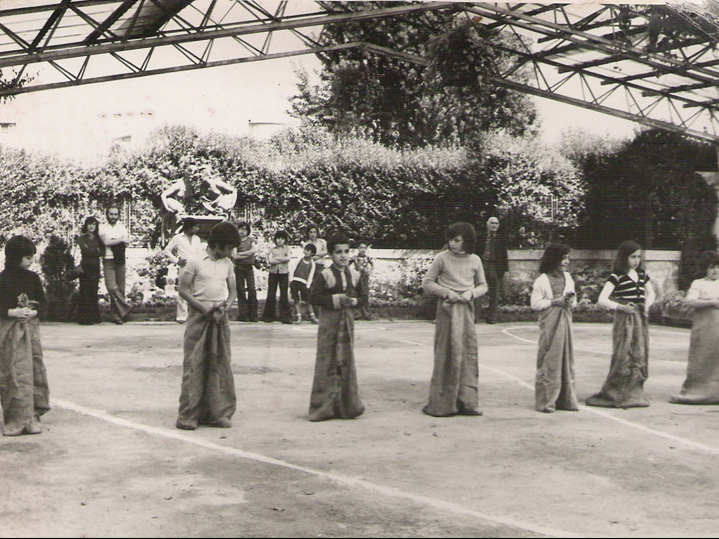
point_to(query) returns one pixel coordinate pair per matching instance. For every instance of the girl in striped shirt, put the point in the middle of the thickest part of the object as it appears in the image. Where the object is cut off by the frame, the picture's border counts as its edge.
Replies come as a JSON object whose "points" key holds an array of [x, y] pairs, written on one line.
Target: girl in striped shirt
{"points": [[632, 295]]}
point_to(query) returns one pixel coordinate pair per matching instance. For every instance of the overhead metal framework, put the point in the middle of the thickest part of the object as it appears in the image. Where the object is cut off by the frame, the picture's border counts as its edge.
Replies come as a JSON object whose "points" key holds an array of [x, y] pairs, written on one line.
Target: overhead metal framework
{"points": [[654, 64]]}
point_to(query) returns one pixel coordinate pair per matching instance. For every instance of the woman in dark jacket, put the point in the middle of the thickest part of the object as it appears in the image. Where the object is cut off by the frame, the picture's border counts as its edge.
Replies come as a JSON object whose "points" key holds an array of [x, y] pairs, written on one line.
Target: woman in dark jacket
{"points": [[91, 251]]}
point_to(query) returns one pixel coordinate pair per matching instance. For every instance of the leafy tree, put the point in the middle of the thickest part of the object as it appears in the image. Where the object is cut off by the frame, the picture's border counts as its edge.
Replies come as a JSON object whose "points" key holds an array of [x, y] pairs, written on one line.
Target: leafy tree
{"points": [[648, 190], [366, 94], [540, 193]]}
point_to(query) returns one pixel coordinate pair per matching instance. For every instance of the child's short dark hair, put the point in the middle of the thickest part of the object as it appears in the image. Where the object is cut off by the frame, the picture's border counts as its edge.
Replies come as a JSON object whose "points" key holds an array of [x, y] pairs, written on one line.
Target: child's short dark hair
{"points": [[311, 248], [188, 223], [223, 235], [335, 240], [361, 241], [707, 260], [621, 259], [552, 257], [310, 226], [469, 236], [245, 225], [281, 234], [16, 248]]}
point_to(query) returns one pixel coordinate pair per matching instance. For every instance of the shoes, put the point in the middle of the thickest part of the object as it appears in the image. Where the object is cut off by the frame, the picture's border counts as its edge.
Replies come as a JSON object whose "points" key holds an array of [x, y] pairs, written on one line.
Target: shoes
{"points": [[222, 423], [471, 412], [314, 320], [491, 322], [117, 321], [181, 321], [184, 426]]}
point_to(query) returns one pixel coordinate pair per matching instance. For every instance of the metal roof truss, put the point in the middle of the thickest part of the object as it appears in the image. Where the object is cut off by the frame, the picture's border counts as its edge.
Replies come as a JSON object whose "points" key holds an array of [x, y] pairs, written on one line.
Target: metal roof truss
{"points": [[656, 64]]}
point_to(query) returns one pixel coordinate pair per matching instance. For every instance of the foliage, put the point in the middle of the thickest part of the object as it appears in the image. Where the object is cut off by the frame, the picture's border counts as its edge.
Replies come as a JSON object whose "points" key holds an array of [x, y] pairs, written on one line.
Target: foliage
{"points": [[588, 282], [396, 198], [399, 284], [540, 193], [672, 305], [153, 269], [57, 266], [516, 292], [17, 80], [362, 93], [648, 191]]}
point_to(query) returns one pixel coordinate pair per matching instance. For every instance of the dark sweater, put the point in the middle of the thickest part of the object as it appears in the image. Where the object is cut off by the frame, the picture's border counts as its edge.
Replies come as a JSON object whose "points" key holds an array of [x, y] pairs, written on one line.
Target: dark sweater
{"points": [[15, 281]]}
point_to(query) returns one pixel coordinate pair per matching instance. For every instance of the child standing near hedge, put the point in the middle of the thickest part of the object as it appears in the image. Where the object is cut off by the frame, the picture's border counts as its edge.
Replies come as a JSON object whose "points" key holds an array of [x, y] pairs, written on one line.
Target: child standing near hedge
{"points": [[336, 291], [702, 383], [553, 296], [365, 266], [24, 391], [456, 276], [302, 274], [279, 276], [633, 294]]}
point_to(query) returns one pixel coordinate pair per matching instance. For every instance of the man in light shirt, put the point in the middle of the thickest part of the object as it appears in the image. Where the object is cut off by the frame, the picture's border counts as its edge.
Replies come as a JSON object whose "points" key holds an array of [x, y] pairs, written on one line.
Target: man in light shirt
{"points": [[116, 238], [179, 250]]}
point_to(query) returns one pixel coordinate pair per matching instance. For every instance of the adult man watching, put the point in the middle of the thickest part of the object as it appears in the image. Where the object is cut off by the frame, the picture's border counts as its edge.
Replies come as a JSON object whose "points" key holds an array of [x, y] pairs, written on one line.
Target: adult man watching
{"points": [[181, 248], [493, 252], [116, 238]]}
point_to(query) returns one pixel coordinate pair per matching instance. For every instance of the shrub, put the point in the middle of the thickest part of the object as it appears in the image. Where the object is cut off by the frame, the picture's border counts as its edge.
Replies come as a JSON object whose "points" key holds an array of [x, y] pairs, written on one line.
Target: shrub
{"points": [[671, 305], [58, 266], [589, 281], [516, 292]]}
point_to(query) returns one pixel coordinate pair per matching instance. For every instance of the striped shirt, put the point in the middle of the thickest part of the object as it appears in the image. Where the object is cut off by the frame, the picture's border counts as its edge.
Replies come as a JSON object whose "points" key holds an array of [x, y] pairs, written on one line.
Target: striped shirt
{"points": [[626, 289]]}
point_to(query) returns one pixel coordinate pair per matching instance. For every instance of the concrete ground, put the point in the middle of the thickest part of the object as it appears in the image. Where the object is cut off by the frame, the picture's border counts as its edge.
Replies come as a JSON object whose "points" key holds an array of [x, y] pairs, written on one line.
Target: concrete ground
{"points": [[111, 464]]}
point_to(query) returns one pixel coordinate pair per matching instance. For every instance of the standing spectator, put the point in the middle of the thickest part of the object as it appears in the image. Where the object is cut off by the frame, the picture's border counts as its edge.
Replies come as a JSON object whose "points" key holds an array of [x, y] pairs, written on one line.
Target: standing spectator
{"points": [[115, 238], [91, 251], [320, 245], [278, 259], [335, 392], [457, 278], [493, 252], [313, 234], [365, 266], [302, 274], [207, 284], [633, 294], [24, 391], [244, 260], [179, 250], [553, 296]]}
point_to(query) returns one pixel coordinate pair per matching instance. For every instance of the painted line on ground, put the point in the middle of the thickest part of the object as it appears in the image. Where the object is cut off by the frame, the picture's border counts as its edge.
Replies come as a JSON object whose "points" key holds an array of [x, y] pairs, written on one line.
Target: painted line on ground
{"points": [[344, 480], [684, 441], [508, 332]]}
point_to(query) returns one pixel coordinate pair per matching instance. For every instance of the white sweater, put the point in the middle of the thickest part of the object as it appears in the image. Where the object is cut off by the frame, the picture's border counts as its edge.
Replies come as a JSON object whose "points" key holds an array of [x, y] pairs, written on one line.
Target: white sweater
{"points": [[542, 292]]}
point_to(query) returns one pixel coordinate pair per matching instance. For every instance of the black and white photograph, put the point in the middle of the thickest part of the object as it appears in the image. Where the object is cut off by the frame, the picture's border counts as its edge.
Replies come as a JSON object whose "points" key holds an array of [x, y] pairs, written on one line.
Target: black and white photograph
{"points": [[359, 268]]}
